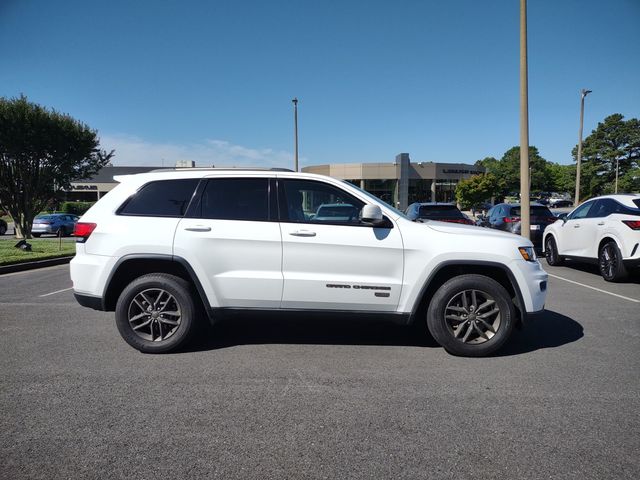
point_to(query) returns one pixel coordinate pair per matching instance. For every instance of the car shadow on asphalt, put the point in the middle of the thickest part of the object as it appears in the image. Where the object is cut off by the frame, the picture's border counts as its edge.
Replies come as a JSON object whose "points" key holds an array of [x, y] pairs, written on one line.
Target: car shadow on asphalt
{"points": [[551, 330], [634, 275], [248, 330]]}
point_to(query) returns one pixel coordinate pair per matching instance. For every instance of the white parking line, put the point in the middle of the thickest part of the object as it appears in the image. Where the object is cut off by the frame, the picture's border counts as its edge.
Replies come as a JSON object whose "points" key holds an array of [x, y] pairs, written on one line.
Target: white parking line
{"points": [[57, 291], [594, 288]]}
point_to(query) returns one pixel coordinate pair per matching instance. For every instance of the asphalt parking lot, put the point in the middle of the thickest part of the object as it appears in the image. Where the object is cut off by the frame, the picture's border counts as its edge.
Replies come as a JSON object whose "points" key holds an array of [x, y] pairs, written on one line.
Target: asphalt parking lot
{"points": [[313, 399]]}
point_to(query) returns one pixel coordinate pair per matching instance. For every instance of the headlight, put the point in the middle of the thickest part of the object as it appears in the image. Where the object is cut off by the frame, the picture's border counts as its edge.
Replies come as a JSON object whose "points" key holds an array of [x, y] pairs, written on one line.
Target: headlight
{"points": [[528, 253]]}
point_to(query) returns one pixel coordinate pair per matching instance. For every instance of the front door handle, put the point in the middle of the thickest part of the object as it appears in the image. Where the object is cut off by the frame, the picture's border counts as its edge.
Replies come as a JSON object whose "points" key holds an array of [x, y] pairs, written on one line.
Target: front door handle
{"points": [[303, 233], [198, 228], [601, 223], [577, 225]]}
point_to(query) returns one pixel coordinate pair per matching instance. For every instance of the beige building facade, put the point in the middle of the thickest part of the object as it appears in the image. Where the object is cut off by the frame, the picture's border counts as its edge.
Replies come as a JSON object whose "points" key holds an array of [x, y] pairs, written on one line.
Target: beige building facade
{"points": [[402, 182]]}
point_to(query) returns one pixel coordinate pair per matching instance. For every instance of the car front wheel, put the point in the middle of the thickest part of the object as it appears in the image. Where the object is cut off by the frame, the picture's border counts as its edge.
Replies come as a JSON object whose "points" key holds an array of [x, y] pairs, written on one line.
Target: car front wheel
{"points": [[471, 315], [610, 262], [156, 313], [551, 252]]}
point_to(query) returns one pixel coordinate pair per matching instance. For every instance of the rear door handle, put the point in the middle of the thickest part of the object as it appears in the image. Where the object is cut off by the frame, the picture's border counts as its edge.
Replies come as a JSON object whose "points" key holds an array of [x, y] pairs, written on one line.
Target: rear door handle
{"points": [[303, 233], [601, 223], [198, 229], [577, 225]]}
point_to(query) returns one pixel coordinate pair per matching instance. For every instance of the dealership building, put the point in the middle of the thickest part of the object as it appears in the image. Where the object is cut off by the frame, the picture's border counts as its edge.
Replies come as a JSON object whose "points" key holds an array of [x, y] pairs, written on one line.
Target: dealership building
{"points": [[398, 183], [402, 182]]}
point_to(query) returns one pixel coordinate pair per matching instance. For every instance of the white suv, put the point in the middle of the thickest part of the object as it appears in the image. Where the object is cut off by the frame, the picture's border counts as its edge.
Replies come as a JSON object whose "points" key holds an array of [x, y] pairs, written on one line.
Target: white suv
{"points": [[167, 248], [604, 230]]}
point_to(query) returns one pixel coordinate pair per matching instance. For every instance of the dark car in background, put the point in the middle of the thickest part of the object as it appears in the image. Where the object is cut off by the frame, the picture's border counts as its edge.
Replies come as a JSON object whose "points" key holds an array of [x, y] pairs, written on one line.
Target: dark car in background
{"points": [[54, 223], [507, 217], [3, 227], [442, 212]]}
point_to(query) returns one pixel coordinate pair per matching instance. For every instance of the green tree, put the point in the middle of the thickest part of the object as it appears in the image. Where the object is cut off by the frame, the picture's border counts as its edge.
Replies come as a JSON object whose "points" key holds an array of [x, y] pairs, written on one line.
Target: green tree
{"points": [[41, 153], [476, 189], [613, 141], [563, 177], [507, 170]]}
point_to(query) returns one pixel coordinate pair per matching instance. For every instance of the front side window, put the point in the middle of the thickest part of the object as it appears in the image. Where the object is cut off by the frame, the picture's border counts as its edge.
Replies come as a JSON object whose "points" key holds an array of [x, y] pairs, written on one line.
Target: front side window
{"points": [[307, 201], [235, 199], [581, 211], [163, 198]]}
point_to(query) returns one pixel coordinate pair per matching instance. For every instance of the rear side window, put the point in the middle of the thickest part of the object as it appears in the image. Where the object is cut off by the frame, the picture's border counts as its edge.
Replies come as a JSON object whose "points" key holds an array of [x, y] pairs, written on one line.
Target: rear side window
{"points": [[164, 198], [235, 199]]}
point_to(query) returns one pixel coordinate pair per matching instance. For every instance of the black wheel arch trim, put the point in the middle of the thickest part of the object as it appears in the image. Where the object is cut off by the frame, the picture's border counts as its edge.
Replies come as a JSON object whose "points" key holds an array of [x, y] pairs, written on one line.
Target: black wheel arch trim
{"points": [[162, 257], [476, 263]]}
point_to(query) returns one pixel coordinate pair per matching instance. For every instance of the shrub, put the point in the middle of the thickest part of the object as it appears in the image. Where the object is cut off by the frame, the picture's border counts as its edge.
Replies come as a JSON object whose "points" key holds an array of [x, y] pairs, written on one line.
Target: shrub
{"points": [[75, 208]]}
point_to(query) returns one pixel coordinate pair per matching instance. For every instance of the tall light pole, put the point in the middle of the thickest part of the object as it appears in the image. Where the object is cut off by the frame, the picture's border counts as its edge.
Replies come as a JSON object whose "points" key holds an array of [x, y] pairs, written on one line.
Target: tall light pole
{"points": [[617, 168], [295, 129], [576, 202], [525, 220]]}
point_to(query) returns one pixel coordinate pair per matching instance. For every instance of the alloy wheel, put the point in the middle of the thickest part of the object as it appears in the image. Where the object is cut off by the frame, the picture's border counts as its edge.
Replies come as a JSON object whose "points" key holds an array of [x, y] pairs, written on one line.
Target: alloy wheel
{"points": [[154, 314], [472, 316], [608, 261]]}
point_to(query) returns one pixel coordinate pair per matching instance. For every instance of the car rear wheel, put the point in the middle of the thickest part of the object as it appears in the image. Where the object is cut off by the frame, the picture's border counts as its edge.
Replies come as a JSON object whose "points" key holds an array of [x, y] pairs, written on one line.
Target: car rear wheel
{"points": [[610, 262], [156, 313], [471, 315], [551, 252]]}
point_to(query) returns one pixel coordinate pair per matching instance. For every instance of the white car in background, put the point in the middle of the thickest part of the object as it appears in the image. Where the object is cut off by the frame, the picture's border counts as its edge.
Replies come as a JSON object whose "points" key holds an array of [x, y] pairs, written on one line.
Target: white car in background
{"points": [[604, 229]]}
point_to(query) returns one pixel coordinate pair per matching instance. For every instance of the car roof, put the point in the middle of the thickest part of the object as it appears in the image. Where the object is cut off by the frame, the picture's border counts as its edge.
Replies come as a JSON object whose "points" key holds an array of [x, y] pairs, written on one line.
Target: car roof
{"points": [[433, 204], [624, 198]]}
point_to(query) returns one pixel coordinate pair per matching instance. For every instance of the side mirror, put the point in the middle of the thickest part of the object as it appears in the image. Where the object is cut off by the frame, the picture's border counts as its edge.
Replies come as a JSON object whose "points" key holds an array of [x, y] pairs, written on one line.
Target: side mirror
{"points": [[372, 214], [563, 217]]}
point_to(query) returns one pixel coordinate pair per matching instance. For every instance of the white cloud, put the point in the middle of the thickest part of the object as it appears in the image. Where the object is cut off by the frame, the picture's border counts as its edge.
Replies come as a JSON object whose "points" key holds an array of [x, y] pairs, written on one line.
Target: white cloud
{"points": [[135, 151]]}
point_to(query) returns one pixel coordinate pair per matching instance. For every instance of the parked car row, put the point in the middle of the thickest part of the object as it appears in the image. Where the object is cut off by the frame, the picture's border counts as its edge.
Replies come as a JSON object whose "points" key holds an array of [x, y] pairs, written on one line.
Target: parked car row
{"points": [[603, 230]]}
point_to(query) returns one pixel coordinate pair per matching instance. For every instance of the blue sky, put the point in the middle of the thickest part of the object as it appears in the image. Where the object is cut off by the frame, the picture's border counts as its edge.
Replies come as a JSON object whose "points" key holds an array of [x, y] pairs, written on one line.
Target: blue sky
{"points": [[212, 81]]}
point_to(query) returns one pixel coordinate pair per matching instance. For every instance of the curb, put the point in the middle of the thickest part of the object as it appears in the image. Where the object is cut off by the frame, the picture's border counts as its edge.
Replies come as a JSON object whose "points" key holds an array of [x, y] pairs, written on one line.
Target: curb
{"points": [[21, 267]]}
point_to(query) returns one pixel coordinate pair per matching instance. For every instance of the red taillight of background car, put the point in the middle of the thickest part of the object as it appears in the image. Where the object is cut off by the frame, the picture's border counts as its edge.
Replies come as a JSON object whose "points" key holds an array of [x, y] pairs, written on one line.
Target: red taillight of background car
{"points": [[83, 230], [511, 219], [632, 224]]}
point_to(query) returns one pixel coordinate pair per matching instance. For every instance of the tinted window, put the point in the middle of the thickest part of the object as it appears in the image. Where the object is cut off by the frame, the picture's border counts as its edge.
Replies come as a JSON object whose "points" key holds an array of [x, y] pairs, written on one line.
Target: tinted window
{"points": [[440, 211], [581, 211], [164, 198], [637, 202], [536, 211], [236, 199], [305, 201]]}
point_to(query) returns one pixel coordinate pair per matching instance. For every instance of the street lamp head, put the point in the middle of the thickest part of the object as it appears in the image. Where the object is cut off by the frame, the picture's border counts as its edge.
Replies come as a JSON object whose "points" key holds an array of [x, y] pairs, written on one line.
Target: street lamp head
{"points": [[295, 100], [585, 92]]}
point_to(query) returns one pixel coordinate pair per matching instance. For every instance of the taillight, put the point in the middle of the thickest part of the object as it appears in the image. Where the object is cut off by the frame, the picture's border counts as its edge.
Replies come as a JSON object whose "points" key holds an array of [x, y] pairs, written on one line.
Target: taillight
{"points": [[632, 224], [511, 219], [82, 231]]}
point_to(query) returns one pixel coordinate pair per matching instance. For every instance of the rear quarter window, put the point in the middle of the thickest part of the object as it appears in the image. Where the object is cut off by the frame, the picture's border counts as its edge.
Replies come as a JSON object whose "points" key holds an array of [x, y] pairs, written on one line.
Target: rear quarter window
{"points": [[162, 198]]}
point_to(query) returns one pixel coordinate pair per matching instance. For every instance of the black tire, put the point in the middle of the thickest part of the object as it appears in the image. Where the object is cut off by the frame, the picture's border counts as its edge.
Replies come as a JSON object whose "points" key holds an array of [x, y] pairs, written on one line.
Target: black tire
{"points": [[450, 336], [551, 252], [182, 300], [610, 263], [36, 235]]}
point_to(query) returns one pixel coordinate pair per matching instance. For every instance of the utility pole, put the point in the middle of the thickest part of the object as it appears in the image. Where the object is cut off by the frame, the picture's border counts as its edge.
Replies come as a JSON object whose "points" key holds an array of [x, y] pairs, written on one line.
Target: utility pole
{"points": [[576, 201], [295, 129], [525, 220], [617, 168]]}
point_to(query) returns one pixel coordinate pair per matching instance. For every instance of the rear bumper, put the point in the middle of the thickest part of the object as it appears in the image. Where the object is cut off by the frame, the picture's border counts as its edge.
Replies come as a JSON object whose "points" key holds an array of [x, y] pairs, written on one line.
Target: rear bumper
{"points": [[89, 301]]}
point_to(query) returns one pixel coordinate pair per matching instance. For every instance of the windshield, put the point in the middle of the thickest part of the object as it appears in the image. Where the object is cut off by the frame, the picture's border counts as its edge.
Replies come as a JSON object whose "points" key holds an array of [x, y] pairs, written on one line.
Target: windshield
{"points": [[439, 211], [377, 200]]}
